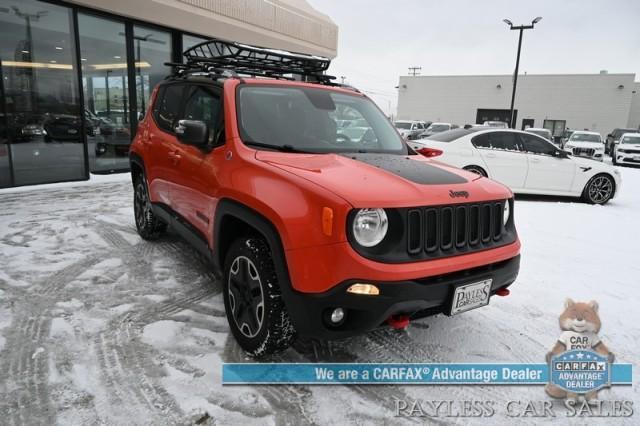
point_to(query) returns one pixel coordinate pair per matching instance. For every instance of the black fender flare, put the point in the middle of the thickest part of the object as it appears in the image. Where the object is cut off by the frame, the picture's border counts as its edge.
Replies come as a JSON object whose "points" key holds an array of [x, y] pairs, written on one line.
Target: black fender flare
{"points": [[136, 159]]}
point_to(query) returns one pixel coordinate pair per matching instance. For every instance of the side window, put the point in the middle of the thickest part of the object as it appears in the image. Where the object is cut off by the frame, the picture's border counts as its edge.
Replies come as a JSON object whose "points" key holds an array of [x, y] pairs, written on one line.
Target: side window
{"points": [[505, 141], [167, 107], [536, 145], [204, 105]]}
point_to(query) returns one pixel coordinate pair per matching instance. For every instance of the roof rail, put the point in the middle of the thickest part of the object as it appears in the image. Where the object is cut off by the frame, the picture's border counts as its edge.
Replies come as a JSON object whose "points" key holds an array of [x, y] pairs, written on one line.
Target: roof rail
{"points": [[225, 58]]}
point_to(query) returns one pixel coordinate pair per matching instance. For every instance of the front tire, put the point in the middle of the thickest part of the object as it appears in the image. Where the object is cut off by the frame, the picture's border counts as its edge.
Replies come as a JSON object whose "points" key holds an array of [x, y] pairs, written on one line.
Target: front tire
{"points": [[599, 190], [149, 226], [253, 303], [477, 170]]}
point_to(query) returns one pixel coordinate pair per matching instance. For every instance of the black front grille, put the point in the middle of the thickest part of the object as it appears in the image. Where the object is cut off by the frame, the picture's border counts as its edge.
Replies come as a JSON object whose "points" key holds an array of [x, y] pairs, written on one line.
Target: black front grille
{"points": [[431, 232], [447, 230], [632, 151], [584, 151]]}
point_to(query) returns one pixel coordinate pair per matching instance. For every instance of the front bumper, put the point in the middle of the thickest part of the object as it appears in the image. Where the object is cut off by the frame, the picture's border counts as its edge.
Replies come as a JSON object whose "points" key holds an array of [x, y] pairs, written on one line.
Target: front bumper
{"points": [[416, 298]]}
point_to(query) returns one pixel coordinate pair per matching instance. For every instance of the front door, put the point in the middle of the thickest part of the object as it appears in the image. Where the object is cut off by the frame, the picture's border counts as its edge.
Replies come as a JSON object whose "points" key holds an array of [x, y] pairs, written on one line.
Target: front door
{"points": [[195, 193], [547, 171]]}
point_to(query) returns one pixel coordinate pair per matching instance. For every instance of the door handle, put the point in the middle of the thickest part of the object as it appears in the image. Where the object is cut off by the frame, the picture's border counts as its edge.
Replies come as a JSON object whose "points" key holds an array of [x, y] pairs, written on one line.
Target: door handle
{"points": [[491, 155]]}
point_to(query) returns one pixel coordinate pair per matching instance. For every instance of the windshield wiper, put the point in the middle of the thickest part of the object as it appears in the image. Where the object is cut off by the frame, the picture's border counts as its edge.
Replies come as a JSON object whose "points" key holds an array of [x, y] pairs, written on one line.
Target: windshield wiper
{"points": [[281, 148]]}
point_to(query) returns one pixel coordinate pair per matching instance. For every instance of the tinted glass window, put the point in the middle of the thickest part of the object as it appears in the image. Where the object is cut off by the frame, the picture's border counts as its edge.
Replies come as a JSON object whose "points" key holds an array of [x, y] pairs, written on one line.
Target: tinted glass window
{"points": [[535, 145], [42, 119], [167, 107], [498, 140], [203, 105]]}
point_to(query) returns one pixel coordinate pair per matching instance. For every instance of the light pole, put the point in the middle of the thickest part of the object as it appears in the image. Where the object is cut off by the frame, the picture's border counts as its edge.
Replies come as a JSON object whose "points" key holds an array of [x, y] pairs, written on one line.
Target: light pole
{"points": [[520, 28]]}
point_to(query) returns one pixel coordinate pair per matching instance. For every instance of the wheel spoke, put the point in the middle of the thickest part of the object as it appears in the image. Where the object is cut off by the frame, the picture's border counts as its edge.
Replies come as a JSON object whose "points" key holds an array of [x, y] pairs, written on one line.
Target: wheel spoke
{"points": [[245, 296]]}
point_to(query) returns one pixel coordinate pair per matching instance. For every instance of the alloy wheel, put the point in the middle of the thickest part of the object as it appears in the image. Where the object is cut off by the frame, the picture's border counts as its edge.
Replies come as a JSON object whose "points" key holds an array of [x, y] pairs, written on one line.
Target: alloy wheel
{"points": [[600, 189], [246, 297], [142, 206]]}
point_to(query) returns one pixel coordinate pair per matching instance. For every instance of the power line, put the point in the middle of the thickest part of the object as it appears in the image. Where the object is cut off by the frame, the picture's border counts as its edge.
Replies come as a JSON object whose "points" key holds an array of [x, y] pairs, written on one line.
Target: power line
{"points": [[414, 71]]}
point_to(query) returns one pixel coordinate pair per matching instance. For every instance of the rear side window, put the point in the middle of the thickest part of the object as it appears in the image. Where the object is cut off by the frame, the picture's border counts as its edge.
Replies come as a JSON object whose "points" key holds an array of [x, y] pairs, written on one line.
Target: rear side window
{"points": [[505, 141], [167, 107]]}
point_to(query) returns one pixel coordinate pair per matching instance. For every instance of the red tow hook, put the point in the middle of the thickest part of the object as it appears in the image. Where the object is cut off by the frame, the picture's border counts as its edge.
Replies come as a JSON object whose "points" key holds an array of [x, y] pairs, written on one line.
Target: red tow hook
{"points": [[503, 292], [399, 322]]}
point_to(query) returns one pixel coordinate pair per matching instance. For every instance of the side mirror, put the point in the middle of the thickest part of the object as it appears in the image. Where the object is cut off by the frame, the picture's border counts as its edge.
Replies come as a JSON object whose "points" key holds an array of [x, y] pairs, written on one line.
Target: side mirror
{"points": [[192, 132], [140, 116], [562, 154], [609, 135], [617, 141]]}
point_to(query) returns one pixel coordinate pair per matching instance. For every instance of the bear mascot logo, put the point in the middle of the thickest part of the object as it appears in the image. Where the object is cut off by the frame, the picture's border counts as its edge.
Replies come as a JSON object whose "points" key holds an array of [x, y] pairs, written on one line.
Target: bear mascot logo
{"points": [[580, 325]]}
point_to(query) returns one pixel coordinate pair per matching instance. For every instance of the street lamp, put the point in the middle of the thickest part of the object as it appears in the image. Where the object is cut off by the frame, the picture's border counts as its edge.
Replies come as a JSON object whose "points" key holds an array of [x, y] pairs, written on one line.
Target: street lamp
{"points": [[520, 28]]}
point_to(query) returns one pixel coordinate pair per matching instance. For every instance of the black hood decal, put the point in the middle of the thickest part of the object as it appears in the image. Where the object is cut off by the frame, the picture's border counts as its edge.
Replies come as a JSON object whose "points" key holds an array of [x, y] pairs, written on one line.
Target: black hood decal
{"points": [[415, 171]]}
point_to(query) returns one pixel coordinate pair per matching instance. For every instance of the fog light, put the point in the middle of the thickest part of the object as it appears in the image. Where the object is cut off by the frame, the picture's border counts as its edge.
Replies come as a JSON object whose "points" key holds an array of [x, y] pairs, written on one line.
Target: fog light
{"points": [[366, 289], [337, 315]]}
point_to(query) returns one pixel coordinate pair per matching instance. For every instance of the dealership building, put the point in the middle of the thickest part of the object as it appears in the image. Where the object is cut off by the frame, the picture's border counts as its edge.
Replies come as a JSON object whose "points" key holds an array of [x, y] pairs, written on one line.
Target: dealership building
{"points": [[598, 102], [77, 74]]}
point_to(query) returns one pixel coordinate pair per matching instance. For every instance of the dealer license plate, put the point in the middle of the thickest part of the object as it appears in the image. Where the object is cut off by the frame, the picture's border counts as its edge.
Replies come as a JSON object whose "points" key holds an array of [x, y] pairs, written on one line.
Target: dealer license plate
{"points": [[471, 296]]}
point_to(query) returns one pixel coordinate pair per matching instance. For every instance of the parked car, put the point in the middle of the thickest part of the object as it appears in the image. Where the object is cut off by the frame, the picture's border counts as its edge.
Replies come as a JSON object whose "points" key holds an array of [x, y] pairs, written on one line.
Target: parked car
{"points": [[436, 128], [526, 163], [314, 234], [565, 137], [497, 124], [614, 136], [67, 128], [586, 144], [626, 150], [545, 133], [410, 129]]}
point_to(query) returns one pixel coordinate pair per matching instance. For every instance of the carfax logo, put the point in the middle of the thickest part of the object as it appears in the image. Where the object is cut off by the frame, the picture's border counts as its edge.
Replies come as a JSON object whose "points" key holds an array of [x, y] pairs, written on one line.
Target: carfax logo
{"points": [[579, 363]]}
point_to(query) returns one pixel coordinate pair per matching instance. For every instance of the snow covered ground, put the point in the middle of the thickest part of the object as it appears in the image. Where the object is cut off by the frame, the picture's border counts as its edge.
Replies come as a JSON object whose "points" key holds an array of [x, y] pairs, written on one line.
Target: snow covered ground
{"points": [[99, 326]]}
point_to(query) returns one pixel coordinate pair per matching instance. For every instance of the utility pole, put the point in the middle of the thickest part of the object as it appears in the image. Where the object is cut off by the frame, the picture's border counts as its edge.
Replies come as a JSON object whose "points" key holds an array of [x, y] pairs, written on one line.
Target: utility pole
{"points": [[520, 28], [414, 71]]}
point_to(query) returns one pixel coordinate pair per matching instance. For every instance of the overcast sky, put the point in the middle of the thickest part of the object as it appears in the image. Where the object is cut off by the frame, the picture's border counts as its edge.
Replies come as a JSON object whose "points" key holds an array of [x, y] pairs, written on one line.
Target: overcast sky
{"points": [[380, 39]]}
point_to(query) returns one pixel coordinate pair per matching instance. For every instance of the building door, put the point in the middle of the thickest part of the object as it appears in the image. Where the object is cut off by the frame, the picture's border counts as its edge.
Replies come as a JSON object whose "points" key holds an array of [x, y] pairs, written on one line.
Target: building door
{"points": [[527, 122], [495, 115], [42, 116], [556, 127]]}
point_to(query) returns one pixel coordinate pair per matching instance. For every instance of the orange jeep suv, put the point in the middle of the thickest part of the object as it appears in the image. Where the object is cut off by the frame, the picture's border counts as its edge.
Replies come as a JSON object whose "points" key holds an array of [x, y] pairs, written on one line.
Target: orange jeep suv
{"points": [[320, 218]]}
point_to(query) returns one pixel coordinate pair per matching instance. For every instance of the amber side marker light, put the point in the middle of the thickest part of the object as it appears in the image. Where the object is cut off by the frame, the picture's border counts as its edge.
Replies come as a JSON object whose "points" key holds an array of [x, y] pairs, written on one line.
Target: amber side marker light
{"points": [[366, 289], [327, 221]]}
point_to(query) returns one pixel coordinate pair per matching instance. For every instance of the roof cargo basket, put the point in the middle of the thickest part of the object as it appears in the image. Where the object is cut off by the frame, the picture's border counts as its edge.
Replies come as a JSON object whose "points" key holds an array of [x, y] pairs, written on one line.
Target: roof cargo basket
{"points": [[229, 58]]}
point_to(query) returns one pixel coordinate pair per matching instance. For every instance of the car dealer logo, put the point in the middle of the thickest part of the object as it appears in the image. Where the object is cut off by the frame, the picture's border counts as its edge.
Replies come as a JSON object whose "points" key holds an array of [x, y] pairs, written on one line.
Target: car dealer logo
{"points": [[458, 194]]}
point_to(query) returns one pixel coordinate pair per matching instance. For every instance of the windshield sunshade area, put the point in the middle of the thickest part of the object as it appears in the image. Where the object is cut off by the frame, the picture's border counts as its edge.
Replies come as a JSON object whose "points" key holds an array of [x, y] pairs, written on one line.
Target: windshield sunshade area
{"points": [[299, 119]]}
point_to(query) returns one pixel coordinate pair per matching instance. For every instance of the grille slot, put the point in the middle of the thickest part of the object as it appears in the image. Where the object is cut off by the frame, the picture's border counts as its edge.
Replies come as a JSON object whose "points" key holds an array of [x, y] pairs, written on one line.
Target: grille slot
{"points": [[498, 211], [446, 221], [461, 226], [431, 227], [474, 225], [414, 237]]}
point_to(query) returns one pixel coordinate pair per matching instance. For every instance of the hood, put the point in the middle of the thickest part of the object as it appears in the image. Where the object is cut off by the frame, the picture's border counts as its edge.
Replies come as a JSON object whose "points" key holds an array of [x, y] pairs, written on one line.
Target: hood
{"points": [[583, 144], [384, 180], [626, 146]]}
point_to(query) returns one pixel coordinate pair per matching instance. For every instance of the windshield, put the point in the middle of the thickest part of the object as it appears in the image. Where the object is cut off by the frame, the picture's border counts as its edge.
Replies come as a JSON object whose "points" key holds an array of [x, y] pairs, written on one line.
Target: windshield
{"points": [[403, 125], [300, 119], [631, 139], [435, 128], [585, 137]]}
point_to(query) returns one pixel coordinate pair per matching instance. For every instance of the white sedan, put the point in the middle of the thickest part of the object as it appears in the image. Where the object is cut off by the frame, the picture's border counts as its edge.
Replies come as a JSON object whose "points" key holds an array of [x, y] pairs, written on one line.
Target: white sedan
{"points": [[526, 163], [627, 149]]}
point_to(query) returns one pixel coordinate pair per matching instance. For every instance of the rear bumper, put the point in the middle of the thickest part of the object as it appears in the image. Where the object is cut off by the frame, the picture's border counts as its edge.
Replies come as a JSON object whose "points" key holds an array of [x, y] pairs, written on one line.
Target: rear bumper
{"points": [[416, 298]]}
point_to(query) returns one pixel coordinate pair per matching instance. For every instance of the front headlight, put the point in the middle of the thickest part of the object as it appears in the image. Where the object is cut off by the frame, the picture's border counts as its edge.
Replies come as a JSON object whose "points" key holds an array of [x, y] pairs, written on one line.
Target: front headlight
{"points": [[370, 227], [507, 212]]}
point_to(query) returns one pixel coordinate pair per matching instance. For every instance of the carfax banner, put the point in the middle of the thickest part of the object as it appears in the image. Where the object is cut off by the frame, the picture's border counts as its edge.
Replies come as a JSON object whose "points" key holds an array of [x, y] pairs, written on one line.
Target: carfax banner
{"points": [[575, 375]]}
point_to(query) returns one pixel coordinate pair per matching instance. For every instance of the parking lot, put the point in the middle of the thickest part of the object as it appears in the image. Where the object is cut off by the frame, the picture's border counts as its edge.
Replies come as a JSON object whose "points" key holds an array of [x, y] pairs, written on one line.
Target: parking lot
{"points": [[99, 326]]}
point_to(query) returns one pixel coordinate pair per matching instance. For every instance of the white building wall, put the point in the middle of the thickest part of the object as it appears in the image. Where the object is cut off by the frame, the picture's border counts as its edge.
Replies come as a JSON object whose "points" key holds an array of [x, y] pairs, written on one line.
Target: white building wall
{"points": [[587, 101], [634, 112]]}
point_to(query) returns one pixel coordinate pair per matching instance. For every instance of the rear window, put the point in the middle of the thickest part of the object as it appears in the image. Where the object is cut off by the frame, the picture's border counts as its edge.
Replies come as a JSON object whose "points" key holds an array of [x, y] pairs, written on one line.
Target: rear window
{"points": [[452, 135]]}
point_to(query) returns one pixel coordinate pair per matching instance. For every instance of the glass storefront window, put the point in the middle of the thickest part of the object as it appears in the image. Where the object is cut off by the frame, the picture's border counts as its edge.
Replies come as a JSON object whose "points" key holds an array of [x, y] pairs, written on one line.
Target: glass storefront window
{"points": [[152, 48], [103, 55], [41, 109]]}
